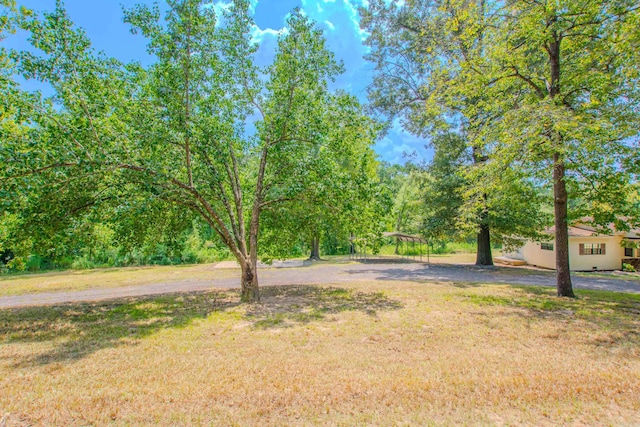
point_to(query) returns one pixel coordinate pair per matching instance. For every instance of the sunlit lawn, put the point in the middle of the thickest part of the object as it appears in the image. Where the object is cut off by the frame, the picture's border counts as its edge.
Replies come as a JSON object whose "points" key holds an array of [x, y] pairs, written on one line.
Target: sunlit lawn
{"points": [[106, 278], [378, 353]]}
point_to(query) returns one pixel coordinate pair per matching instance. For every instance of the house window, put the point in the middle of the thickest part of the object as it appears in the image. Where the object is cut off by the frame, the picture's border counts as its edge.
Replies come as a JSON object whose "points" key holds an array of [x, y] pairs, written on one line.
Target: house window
{"points": [[628, 252], [546, 246], [592, 248]]}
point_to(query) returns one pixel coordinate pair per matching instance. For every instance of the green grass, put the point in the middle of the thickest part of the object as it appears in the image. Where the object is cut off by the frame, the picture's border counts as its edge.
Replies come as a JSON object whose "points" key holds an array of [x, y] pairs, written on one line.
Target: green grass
{"points": [[614, 311], [608, 275]]}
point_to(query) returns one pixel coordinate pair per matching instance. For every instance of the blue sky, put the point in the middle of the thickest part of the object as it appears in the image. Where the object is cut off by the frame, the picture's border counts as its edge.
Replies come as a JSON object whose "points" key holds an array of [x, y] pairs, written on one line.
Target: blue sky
{"points": [[102, 20]]}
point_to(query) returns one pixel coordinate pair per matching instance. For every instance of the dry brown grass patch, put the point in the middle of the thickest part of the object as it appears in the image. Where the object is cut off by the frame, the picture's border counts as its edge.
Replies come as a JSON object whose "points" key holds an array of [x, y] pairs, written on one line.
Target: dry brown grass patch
{"points": [[378, 353]]}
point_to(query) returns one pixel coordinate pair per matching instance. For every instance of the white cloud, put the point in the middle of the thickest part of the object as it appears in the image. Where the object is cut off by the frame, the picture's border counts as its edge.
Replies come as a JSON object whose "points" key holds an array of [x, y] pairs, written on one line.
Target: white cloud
{"points": [[320, 10], [221, 6], [258, 34], [352, 11], [341, 22]]}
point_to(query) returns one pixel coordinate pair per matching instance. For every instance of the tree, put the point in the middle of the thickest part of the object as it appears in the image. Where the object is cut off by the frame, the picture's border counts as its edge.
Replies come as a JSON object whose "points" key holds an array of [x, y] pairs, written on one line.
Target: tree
{"points": [[181, 130], [415, 58], [444, 193], [562, 79], [408, 206], [344, 194], [421, 50], [14, 124], [552, 98]]}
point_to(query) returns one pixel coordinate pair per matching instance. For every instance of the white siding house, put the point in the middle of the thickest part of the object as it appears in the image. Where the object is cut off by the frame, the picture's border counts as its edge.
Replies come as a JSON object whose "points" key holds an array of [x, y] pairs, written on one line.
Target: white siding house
{"points": [[588, 250]]}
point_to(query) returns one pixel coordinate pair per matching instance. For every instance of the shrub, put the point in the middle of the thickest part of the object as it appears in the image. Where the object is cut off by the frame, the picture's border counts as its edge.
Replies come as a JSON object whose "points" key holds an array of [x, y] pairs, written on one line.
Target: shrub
{"points": [[82, 263], [189, 256], [628, 267], [64, 263], [34, 263]]}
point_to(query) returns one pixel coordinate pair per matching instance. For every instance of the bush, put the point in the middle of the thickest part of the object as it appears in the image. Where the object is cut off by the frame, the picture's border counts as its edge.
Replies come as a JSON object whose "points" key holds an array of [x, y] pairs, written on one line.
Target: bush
{"points": [[82, 263], [34, 263], [628, 267], [64, 263], [133, 257], [189, 257]]}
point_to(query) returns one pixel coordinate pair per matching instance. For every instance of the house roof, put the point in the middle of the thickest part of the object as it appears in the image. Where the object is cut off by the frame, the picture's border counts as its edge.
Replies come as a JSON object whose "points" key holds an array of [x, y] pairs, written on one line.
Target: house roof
{"points": [[585, 230], [575, 231], [632, 234]]}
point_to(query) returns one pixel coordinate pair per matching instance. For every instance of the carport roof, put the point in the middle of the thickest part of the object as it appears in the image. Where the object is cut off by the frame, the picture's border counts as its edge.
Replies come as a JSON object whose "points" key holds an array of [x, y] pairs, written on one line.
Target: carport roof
{"points": [[406, 237]]}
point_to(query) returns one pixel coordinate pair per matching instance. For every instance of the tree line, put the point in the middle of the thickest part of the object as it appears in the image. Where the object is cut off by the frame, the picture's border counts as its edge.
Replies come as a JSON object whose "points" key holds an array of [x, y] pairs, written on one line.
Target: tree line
{"points": [[536, 100], [530, 107], [204, 131]]}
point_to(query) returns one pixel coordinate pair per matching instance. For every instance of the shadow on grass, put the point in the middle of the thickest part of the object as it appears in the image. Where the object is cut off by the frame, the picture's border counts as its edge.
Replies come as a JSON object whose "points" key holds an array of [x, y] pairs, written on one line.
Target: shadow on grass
{"points": [[460, 272], [74, 331], [285, 306], [613, 317]]}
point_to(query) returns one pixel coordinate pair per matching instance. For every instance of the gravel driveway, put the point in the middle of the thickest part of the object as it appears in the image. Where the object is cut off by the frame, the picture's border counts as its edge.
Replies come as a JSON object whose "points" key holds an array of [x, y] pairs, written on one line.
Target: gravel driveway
{"points": [[338, 273]]}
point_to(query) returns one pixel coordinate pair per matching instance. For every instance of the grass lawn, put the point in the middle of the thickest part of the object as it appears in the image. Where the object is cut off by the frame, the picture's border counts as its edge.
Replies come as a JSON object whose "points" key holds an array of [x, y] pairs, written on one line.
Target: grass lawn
{"points": [[368, 353], [76, 280], [609, 275]]}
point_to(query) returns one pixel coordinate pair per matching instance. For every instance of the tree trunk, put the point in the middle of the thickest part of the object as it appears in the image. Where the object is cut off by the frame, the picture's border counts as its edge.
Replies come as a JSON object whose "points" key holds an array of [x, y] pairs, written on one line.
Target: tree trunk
{"points": [[560, 200], [483, 256], [397, 252], [352, 248], [249, 282], [483, 249], [315, 249]]}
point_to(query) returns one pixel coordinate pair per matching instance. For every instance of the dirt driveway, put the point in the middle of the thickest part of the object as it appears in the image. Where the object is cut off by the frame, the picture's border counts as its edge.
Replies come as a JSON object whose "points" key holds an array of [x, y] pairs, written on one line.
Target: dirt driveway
{"points": [[340, 273]]}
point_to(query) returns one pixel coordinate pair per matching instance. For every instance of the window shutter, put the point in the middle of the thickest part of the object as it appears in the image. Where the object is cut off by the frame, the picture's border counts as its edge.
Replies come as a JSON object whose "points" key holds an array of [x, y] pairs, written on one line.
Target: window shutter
{"points": [[603, 246], [581, 248]]}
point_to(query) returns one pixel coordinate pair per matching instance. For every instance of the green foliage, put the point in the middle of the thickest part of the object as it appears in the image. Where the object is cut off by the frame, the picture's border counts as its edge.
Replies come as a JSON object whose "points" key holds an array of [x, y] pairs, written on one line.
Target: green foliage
{"points": [[344, 197], [83, 264], [628, 267], [96, 245], [420, 51], [444, 195], [584, 116], [544, 94], [202, 132]]}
